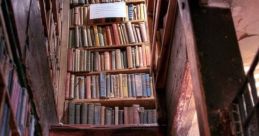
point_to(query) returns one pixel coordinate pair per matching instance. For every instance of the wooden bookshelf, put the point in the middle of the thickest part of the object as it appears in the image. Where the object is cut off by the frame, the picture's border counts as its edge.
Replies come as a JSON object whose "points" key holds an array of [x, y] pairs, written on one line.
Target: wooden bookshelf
{"points": [[86, 5], [106, 48], [148, 102], [108, 23], [118, 71]]}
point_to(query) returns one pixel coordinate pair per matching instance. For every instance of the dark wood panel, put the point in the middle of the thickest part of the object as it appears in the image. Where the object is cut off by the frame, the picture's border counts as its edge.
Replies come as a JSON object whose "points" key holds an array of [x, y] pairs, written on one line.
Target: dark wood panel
{"points": [[37, 70], [151, 130]]}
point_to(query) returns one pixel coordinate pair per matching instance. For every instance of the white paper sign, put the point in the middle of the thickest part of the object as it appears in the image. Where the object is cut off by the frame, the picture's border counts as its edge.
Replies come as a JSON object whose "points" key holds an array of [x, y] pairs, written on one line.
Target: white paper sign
{"points": [[107, 10]]}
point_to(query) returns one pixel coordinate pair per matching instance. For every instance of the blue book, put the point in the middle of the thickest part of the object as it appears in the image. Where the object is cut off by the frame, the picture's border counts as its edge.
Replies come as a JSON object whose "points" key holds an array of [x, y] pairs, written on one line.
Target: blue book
{"points": [[144, 84], [131, 11], [148, 89], [102, 81], [133, 85]]}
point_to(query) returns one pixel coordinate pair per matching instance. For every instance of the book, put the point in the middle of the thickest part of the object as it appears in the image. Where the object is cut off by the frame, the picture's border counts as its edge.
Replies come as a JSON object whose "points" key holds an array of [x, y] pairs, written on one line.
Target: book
{"points": [[71, 115], [130, 32], [143, 31], [90, 119], [84, 112], [77, 113], [138, 82], [102, 79]]}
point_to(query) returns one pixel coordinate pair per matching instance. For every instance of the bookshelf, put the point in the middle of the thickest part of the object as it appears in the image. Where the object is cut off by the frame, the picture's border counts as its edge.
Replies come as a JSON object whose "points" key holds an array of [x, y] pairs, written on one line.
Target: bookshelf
{"points": [[17, 113], [104, 57]]}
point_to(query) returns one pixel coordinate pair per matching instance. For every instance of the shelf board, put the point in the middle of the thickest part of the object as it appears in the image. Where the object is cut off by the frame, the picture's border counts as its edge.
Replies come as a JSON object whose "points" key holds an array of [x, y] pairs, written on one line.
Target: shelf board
{"points": [[112, 46], [119, 71], [86, 5], [147, 102], [108, 23]]}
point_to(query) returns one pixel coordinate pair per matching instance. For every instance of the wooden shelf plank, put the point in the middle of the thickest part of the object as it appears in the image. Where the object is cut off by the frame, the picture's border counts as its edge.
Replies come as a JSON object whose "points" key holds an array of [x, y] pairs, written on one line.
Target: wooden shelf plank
{"points": [[118, 71], [148, 102], [108, 23], [127, 2], [104, 48]]}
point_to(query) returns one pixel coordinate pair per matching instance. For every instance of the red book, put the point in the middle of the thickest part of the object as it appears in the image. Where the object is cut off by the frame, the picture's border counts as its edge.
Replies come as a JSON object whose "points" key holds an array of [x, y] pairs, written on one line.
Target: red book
{"points": [[116, 34], [108, 35], [88, 87], [70, 62], [148, 55]]}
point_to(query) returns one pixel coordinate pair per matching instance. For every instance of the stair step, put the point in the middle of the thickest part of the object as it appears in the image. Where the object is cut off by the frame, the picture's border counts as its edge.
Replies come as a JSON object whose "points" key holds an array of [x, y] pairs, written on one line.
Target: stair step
{"points": [[91, 130]]}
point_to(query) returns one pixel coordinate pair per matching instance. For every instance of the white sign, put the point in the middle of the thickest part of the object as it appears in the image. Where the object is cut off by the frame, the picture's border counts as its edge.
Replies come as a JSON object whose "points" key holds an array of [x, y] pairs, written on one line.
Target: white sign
{"points": [[107, 10]]}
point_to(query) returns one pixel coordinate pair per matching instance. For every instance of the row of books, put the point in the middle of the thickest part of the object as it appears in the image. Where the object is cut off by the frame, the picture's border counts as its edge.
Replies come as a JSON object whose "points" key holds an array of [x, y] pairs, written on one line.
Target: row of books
{"points": [[82, 2], [114, 34], [131, 57], [96, 114], [80, 15], [109, 86], [25, 129]]}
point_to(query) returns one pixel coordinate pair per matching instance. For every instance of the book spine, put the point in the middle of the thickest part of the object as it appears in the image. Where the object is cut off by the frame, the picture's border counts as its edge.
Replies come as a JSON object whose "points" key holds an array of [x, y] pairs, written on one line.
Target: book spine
{"points": [[116, 116], [136, 119], [126, 118], [116, 34], [91, 113], [102, 79], [77, 114], [97, 114], [130, 33], [138, 81], [84, 110], [143, 31], [71, 115], [88, 87]]}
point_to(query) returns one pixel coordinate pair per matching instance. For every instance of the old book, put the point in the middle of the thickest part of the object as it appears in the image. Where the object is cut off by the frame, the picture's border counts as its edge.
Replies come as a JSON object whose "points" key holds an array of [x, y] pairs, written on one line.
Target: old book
{"points": [[67, 85], [135, 33], [130, 33], [92, 60], [71, 38], [126, 116], [141, 115], [154, 116], [102, 59], [145, 120], [77, 60], [77, 16], [84, 113], [108, 116], [96, 35], [129, 85], [116, 115], [116, 34], [107, 60], [100, 36], [121, 117], [77, 89], [133, 85], [104, 36], [88, 59], [84, 37], [90, 118], [70, 59], [77, 115], [97, 87], [102, 114], [93, 35], [115, 86], [125, 61], [93, 87], [85, 15], [118, 58], [138, 81], [97, 61], [72, 87], [113, 59], [131, 11], [81, 88], [89, 37], [144, 85], [136, 119], [140, 57], [125, 85], [148, 89], [137, 56], [121, 36], [97, 114], [144, 59], [77, 35], [126, 36], [148, 61], [133, 54], [143, 31], [149, 116], [71, 113], [108, 86], [151, 86], [121, 91], [88, 87], [109, 35], [102, 79], [112, 92], [129, 57], [130, 115], [137, 28]]}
